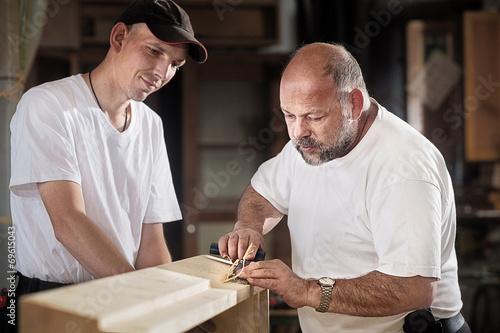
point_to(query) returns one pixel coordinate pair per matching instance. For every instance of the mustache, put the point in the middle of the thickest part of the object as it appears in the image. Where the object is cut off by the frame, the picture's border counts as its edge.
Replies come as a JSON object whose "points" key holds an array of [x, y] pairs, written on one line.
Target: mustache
{"points": [[306, 142]]}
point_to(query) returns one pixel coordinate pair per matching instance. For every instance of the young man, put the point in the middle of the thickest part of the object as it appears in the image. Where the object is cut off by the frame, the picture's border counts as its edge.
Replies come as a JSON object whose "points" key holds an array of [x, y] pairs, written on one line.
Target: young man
{"points": [[91, 182], [370, 209]]}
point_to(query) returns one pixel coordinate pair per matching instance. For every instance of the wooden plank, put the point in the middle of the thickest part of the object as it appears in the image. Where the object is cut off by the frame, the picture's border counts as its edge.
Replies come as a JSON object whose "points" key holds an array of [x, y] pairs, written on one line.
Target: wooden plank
{"points": [[168, 298]]}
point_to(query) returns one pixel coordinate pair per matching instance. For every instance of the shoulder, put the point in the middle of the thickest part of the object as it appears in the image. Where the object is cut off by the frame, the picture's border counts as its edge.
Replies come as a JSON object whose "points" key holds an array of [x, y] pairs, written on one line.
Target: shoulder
{"points": [[53, 104], [62, 91], [404, 152], [399, 137]]}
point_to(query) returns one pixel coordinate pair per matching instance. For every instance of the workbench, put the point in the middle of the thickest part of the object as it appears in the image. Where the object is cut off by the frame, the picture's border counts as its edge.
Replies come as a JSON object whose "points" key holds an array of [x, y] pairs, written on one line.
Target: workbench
{"points": [[170, 298]]}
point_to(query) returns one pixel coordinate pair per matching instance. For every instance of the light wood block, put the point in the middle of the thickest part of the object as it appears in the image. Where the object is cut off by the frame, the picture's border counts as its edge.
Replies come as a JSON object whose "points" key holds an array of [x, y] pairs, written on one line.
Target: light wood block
{"points": [[169, 298]]}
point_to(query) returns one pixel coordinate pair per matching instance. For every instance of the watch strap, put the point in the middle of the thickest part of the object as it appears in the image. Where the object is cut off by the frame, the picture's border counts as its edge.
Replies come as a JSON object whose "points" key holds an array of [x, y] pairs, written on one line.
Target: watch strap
{"points": [[326, 295]]}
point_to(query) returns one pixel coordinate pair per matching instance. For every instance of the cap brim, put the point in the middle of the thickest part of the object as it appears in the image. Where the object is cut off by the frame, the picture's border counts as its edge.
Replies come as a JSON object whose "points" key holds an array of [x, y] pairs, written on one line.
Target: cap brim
{"points": [[174, 35]]}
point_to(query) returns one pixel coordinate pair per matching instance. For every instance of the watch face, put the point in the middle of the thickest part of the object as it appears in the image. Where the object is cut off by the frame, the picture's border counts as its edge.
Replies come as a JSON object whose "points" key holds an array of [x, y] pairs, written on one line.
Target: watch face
{"points": [[326, 281]]}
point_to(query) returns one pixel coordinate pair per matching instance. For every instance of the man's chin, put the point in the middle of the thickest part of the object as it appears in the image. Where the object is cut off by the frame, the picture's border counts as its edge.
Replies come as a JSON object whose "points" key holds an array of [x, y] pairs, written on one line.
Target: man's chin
{"points": [[311, 159]]}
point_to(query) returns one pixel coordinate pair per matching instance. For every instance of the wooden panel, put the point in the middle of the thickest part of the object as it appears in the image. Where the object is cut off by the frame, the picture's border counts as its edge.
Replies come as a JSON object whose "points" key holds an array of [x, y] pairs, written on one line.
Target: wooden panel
{"points": [[169, 298], [216, 23], [234, 23], [482, 90]]}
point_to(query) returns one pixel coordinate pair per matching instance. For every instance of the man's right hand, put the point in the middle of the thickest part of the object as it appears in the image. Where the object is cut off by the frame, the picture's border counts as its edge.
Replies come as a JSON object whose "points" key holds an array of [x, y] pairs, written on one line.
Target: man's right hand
{"points": [[236, 243]]}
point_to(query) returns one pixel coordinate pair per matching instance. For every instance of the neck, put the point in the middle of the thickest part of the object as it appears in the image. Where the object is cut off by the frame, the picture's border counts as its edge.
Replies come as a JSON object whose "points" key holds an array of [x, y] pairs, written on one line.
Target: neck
{"points": [[365, 121], [117, 113], [104, 88]]}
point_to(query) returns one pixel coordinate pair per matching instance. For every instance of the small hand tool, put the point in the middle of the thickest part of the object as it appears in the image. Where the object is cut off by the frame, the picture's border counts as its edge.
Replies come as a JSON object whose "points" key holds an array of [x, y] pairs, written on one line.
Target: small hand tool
{"points": [[259, 256]]}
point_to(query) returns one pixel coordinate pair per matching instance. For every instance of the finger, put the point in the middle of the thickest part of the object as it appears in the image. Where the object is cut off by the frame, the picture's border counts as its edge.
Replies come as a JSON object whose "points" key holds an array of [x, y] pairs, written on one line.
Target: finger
{"points": [[254, 270], [268, 269], [232, 245], [223, 245], [243, 244]]}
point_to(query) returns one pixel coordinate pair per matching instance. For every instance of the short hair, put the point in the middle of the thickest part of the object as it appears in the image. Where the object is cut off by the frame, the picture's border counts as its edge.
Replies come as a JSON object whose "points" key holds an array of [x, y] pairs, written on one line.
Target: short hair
{"points": [[345, 72]]}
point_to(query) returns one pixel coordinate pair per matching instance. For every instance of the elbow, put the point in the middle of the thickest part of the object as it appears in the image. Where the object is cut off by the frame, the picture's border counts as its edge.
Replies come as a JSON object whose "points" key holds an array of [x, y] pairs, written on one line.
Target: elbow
{"points": [[426, 295], [61, 230], [426, 302], [59, 234]]}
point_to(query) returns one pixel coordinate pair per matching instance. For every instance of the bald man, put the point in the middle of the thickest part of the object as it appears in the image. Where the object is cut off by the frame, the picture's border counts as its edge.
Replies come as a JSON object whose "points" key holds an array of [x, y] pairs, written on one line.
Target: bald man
{"points": [[370, 208]]}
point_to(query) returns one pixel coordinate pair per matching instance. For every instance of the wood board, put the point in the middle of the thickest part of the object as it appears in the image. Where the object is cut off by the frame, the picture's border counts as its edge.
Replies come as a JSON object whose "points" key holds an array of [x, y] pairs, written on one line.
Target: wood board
{"points": [[169, 298]]}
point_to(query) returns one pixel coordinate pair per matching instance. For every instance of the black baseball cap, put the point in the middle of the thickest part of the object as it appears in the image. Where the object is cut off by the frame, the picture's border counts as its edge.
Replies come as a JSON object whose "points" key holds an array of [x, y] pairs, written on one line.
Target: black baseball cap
{"points": [[168, 22]]}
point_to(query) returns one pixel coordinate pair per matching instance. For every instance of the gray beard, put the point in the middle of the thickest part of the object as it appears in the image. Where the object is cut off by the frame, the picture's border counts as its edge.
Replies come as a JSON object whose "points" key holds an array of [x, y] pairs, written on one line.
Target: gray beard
{"points": [[328, 153]]}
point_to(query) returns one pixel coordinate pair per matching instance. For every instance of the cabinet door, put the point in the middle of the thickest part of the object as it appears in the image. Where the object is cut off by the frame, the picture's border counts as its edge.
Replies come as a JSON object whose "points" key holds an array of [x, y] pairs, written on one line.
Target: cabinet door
{"points": [[482, 85]]}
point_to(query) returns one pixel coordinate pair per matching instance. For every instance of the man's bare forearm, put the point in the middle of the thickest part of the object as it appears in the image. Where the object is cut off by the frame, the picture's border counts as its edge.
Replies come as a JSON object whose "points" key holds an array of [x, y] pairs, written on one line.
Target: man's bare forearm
{"points": [[256, 216], [255, 212], [153, 250], [377, 294], [372, 295], [86, 242], [93, 249]]}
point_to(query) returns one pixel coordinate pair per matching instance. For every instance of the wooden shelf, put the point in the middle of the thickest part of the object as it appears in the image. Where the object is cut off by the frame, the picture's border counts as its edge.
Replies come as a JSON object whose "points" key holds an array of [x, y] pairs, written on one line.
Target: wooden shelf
{"points": [[216, 23], [249, 23]]}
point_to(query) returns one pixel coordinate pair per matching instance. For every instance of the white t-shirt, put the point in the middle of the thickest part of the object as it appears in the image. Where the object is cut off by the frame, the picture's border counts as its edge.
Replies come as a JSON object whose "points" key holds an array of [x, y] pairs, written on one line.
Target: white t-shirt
{"points": [[60, 133], [388, 206]]}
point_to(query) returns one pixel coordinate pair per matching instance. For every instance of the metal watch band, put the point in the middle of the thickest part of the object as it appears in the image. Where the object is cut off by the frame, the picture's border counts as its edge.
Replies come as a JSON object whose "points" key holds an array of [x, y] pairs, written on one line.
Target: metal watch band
{"points": [[326, 295]]}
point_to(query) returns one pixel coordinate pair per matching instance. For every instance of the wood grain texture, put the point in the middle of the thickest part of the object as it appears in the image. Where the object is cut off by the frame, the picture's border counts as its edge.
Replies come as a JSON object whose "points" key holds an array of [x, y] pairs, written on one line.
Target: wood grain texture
{"points": [[168, 298]]}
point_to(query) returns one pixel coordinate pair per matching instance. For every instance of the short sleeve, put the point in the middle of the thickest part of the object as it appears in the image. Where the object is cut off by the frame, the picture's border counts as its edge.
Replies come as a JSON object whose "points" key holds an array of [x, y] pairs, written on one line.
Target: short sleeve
{"points": [[41, 148], [273, 179], [406, 224]]}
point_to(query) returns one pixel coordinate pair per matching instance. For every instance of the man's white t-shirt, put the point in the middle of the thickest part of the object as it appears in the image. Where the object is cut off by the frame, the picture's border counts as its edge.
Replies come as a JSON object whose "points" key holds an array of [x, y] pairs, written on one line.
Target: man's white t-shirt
{"points": [[388, 205], [60, 133]]}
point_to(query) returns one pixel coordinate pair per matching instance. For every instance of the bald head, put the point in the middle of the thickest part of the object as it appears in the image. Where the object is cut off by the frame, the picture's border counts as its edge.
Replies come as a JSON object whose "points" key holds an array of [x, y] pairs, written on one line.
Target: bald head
{"points": [[327, 64], [323, 97]]}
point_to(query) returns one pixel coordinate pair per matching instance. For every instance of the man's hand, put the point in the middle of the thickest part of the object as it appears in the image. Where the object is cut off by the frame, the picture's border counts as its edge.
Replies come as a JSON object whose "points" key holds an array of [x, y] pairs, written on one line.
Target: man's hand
{"points": [[278, 277], [236, 243]]}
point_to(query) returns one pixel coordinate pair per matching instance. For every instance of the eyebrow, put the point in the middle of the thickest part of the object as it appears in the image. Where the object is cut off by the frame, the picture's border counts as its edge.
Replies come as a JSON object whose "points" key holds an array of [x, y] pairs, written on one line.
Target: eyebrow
{"points": [[159, 46], [313, 112]]}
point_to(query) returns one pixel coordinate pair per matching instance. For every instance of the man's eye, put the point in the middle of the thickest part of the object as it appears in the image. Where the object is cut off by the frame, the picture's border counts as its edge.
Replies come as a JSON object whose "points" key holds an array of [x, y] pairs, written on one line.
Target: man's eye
{"points": [[153, 51]]}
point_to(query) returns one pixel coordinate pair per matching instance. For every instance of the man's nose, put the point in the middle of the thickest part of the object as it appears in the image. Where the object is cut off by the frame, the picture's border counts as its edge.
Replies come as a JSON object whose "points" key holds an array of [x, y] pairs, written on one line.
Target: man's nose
{"points": [[164, 71], [301, 129]]}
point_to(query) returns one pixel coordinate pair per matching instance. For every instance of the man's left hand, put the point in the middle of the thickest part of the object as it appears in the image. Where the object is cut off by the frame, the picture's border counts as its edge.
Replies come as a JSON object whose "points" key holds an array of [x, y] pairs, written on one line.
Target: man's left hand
{"points": [[278, 277]]}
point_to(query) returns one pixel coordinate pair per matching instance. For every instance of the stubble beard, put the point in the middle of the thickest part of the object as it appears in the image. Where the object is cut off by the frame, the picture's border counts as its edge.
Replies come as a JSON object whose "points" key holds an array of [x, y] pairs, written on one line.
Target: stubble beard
{"points": [[345, 136]]}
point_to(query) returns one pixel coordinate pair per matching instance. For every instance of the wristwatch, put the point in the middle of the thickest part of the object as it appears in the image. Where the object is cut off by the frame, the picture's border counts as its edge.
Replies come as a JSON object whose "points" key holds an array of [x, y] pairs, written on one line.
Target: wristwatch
{"points": [[326, 285]]}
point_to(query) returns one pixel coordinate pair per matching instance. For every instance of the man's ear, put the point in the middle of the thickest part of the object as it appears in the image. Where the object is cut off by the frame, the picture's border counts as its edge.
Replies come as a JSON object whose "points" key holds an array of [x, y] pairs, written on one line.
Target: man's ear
{"points": [[357, 102], [118, 33]]}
